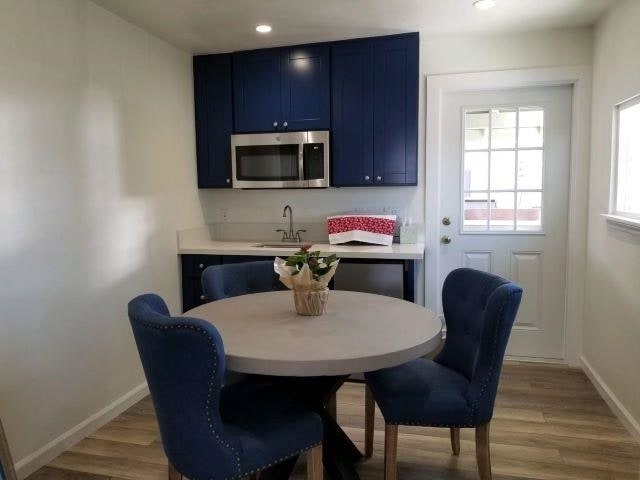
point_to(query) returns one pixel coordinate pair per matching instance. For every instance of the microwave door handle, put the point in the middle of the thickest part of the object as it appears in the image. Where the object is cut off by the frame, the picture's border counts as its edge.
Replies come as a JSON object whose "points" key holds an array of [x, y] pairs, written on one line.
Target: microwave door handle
{"points": [[301, 162]]}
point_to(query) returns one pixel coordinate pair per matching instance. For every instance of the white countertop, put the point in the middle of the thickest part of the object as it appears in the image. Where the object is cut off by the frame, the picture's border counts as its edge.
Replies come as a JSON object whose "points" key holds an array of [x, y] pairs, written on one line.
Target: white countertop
{"points": [[195, 243]]}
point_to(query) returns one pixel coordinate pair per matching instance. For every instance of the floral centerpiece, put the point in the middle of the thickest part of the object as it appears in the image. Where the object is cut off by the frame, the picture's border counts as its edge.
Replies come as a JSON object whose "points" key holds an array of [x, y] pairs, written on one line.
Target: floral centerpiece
{"points": [[308, 275]]}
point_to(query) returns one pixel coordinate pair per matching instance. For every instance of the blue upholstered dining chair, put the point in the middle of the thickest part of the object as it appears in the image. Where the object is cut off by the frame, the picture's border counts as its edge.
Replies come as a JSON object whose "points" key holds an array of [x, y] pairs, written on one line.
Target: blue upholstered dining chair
{"points": [[209, 431], [458, 388], [233, 279]]}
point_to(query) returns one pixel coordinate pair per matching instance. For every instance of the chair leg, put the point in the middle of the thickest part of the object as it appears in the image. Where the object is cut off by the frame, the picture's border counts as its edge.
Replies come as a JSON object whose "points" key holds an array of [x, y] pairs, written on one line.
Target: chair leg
{"points": [[390, 451], [483, 456], [369, 421], [173, 473], [455, 440], [332, 407], [314, 464]]}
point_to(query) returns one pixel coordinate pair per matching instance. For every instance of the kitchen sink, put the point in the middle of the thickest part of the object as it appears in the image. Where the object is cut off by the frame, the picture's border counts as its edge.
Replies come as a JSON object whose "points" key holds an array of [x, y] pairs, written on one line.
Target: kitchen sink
{"points": [[279, 245]]}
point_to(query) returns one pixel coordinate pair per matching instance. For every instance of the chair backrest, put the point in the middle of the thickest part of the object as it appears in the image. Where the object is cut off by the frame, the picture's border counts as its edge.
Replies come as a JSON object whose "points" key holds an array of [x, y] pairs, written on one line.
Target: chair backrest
{"points": [[479, 310], [184, 362], [233, 279]]}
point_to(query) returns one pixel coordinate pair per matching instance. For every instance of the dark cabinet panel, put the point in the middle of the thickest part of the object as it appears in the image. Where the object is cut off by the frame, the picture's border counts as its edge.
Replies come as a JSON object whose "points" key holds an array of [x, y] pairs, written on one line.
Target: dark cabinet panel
{"points": [[282, 89], [396, 110], [256, 90], [352, 113], [214, 119], [305, 88]]}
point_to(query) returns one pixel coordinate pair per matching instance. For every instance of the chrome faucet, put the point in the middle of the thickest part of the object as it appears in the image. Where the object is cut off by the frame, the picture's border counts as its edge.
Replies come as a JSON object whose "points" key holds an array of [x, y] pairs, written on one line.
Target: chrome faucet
{"points": [[290, 236]]}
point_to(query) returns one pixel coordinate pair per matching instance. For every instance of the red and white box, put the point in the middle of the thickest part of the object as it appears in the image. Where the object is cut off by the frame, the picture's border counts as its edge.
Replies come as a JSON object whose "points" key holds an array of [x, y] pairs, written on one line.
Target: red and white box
{"points": [[375, 229]]}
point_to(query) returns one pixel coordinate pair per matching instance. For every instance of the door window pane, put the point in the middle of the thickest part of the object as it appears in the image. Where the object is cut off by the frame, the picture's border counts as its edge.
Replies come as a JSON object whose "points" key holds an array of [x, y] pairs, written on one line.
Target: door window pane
{"points": [[476, 134], [476, 212], [503, 170], [529, 206], [476, 171], [502, 211], [503, 129], [530, 133], [503, 174], [530, 170]]}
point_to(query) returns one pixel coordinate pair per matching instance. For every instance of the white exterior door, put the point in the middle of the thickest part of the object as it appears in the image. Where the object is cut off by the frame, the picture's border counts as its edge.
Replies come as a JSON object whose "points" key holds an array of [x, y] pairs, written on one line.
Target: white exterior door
{"points": [[504, 198]]}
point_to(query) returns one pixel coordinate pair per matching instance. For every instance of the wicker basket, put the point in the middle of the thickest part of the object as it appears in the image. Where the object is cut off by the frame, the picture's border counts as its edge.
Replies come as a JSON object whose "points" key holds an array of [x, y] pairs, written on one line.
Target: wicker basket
{"points": [[311, 302]]}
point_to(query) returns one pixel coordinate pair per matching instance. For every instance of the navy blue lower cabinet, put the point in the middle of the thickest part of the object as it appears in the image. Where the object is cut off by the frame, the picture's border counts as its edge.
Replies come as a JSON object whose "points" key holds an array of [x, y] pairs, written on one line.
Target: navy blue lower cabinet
{"points": [[305, 88], [352, 113], [396, 110], [194, 265], [257, 90], [214, 119]]}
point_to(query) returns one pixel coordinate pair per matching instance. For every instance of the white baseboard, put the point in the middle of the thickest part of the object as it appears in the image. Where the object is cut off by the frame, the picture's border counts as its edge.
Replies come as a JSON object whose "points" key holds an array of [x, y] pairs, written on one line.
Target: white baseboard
{"points": [[612, 400], [55, 447]]}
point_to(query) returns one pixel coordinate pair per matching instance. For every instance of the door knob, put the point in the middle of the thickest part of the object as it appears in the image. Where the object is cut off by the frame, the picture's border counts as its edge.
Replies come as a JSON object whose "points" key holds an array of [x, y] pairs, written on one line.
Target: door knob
{"points": [[366, 177], [275, 124], [446, 239], [285, 124], [446, 221]]}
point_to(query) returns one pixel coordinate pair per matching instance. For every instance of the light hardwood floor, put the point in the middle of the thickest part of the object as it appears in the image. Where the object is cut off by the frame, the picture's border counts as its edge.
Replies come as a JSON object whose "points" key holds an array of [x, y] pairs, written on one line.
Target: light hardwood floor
{"points": [[549, 423]]}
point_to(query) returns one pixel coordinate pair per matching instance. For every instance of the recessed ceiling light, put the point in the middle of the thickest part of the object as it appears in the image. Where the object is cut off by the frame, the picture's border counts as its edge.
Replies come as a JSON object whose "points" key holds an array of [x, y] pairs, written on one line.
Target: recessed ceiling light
{"points": [[484, 4], [263, 28]]}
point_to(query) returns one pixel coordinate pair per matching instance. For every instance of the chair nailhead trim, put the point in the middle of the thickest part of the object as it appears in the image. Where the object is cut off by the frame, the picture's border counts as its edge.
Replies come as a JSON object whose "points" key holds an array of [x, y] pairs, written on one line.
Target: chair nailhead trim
{"points": [[275, 462], [492, 364], [222, 442], [474, 405]]}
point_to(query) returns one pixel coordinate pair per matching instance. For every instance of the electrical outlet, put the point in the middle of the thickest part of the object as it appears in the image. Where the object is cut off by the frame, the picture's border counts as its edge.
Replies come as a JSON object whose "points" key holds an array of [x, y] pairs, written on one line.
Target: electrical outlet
{"points": [[225, 216]]}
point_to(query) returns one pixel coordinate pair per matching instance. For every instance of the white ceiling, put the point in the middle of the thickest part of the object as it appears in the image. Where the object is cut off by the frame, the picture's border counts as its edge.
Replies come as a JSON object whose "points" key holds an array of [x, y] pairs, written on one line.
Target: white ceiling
{"points": [[210, 26]]}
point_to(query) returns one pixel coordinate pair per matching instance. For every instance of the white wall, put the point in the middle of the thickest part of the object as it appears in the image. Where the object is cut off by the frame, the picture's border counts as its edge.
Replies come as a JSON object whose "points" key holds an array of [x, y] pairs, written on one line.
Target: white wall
{"points": [[611, 333], [97, 172]]}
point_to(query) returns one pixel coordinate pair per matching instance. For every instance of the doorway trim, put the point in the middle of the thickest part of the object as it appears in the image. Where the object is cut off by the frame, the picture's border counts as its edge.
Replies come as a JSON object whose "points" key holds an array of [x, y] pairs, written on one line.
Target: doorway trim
{"points": [[579, 77]]}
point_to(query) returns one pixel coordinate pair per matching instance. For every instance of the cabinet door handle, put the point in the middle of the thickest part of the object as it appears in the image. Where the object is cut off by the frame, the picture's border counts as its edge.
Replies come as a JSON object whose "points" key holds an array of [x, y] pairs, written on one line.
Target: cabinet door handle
{"points": [[202, 297], [228, 180], [378, 178], [275, 124], [201, 266], [285, 124], [366, 177]]}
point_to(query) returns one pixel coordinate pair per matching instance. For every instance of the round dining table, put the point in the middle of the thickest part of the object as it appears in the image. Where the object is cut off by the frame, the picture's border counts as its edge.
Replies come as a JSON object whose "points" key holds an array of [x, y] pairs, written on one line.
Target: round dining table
{"points": [[312, 356]]}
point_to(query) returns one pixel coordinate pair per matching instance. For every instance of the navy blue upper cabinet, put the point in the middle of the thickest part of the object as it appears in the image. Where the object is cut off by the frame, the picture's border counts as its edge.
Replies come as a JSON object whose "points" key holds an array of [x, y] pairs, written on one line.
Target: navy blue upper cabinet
{"points": [[256, 90], [374, 118], [352, 113], [305, 88], [282, 89], [214, 119], [395, 129]]}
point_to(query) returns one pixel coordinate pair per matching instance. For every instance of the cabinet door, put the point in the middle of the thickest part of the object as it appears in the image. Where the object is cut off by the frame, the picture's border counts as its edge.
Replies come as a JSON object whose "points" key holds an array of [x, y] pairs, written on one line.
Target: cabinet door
{"points": [[214, 119], [305, 88], [256, 90], [396, 110], [352, 113]]}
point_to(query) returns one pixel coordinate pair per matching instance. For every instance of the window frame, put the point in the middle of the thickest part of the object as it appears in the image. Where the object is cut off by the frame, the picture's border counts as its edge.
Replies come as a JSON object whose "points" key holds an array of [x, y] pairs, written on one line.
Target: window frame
{"points": [[614, 213], [517, 106]]}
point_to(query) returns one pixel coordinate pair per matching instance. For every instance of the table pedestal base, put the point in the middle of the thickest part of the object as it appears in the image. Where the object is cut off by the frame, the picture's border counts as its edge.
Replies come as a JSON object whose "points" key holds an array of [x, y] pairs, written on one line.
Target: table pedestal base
{"points": [[339, 454]]}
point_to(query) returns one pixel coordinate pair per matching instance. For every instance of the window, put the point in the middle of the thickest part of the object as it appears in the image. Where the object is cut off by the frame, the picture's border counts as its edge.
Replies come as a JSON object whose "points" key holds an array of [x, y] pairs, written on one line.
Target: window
{"points": [[503, 169], [626, 198]]}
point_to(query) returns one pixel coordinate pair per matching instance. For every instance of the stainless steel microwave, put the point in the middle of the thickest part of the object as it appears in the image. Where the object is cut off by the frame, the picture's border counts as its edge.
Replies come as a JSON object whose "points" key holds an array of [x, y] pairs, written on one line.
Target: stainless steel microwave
{"points": [[280, 160]]}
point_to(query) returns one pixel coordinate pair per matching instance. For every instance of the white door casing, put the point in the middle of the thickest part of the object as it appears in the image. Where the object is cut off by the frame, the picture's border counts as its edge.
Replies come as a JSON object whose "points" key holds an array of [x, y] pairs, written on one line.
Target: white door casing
{"points": [[521, 261]]}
